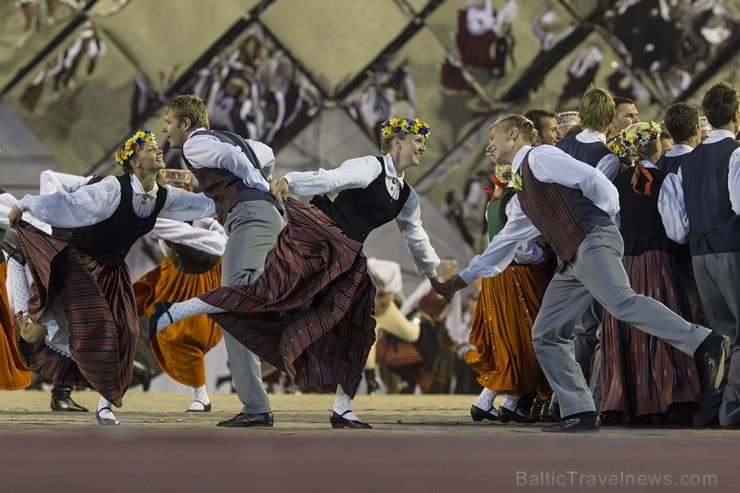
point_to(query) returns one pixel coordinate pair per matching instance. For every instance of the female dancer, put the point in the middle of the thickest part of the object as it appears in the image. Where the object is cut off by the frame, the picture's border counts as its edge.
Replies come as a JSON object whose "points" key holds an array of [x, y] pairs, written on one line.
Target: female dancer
{"points": [[310, 314]]}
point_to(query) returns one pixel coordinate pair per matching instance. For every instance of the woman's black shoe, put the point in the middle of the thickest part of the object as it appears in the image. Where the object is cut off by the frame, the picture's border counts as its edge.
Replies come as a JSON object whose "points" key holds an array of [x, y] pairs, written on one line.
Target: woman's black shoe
{"points": [[160, 309], [339, 421]]}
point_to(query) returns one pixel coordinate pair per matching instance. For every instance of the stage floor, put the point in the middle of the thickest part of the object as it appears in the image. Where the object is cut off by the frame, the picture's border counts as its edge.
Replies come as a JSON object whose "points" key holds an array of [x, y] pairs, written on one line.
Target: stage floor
{"points": [[418, 443]]}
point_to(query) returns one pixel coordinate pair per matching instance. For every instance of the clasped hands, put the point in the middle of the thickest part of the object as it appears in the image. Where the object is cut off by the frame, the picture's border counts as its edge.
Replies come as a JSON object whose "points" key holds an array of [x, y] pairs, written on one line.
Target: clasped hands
{"points": [[448, 288]]}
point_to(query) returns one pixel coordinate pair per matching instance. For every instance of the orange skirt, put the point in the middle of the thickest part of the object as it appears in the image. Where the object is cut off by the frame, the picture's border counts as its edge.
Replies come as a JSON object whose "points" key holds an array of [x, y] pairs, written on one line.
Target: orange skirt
{"points": [[180, 349], [13, 373], [502, 332]]}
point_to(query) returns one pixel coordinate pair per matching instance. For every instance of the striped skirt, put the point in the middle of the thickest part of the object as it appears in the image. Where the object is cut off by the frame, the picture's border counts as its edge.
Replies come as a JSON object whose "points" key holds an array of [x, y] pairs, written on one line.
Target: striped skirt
{"points": [[310, 314], [13, 373], [180, 349], [502, 331], [640, 374], [101, 314]]}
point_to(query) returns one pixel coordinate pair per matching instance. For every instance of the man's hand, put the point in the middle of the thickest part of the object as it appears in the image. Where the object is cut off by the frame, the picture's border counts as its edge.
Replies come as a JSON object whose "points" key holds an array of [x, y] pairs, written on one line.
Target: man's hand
{"points": [[280, 189], [449, 288], [14, 216]]}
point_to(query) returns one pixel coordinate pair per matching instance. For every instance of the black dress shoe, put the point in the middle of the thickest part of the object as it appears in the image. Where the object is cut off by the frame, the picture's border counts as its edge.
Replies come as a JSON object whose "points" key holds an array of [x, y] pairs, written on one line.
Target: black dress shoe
{"points": [[712, 360], [61, 400], [105, 421], [248, 420], [575, 425], [339, 421], [206, 407], [553, 413], [536, 410], [160, 309], [515, 416], [479, 414]]}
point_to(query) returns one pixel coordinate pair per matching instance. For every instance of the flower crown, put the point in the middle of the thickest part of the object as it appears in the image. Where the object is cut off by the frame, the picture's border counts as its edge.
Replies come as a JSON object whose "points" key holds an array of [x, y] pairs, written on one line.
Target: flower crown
{"points": [[133, 145], [395, 126], [622, 144]]}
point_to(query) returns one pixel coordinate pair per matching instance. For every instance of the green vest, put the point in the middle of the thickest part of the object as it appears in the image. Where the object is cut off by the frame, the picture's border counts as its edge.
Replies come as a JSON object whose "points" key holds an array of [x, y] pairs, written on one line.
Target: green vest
{"points": [[496, 212]]}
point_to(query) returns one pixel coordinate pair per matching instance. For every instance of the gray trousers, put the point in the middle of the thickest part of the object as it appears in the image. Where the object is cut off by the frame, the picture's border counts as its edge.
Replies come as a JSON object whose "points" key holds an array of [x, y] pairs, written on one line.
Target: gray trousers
{"points": [[597, 270], [252, 228], [718, 282]]}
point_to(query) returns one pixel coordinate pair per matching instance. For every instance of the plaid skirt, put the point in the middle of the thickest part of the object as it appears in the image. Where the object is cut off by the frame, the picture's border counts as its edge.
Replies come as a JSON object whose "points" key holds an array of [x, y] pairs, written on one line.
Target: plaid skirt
{"points": [[100, 309], [310, 314]]}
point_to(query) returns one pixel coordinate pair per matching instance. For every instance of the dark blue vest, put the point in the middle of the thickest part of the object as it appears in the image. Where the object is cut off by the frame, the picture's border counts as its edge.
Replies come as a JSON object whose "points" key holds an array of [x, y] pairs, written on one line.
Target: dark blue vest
{"points": [[713, 225], [672, 164], [590, 153]]}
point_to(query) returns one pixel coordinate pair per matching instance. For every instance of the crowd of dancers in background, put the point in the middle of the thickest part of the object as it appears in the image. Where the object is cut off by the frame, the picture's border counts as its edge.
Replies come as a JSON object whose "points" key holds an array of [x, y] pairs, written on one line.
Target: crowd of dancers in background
{"points": [[608, 285]]}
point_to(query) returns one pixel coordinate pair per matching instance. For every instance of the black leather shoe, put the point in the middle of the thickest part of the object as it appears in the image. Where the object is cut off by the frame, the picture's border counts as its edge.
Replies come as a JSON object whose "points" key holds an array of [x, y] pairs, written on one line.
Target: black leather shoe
{"points": [[575, 425], [712, 360], [536, 410], [248, 420], [105, 421], [553, 413], [339, 421], [515, 416], [61, 400], [206, 407], [160, 309], [479, 414]]}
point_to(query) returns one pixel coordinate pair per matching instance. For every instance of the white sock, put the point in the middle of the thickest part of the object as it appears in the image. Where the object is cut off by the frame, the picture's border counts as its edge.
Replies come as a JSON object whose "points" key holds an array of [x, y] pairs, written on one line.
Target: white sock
{"points": [[200, 399], [105, 413], [21, 289], [511, 401], [485, 399], [185, 309], [342, 404]]}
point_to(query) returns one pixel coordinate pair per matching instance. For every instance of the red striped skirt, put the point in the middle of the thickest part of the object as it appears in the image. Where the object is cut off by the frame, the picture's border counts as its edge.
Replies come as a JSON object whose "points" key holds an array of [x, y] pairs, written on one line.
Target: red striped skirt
{"points": [[310, 314], [640, 374], [101, 313]]}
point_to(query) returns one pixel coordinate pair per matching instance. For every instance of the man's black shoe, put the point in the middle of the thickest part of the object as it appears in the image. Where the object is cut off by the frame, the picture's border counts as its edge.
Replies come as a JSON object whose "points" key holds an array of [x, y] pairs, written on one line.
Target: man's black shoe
{"points": [[712, 353], [248, 420], [575, 425]]}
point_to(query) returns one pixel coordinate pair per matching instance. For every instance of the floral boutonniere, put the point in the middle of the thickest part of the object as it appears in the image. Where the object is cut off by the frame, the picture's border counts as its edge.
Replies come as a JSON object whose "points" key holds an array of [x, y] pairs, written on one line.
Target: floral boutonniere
{"points": [[516, 181]]}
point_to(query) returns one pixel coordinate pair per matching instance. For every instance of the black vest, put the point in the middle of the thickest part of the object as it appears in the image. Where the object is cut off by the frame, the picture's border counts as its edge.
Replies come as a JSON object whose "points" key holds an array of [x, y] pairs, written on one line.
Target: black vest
{"points": [[590, 153], [713, 225], [110, 240], [642, 227], [358, 211], [191, 260], [673, 163]]}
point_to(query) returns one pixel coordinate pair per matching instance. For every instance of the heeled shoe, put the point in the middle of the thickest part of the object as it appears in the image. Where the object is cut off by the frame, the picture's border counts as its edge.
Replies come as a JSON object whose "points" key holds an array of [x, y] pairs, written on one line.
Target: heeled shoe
{"points": [[160, 309], [206, 407], [339, 421], [106, 421]]}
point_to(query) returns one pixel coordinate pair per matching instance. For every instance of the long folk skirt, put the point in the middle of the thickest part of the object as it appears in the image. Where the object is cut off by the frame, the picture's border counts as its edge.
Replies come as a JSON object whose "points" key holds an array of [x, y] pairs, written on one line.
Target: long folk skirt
{"points": [[502, 332], [100, 310], [310, 314], [640, 374], [181, 348], [13, 373]]}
